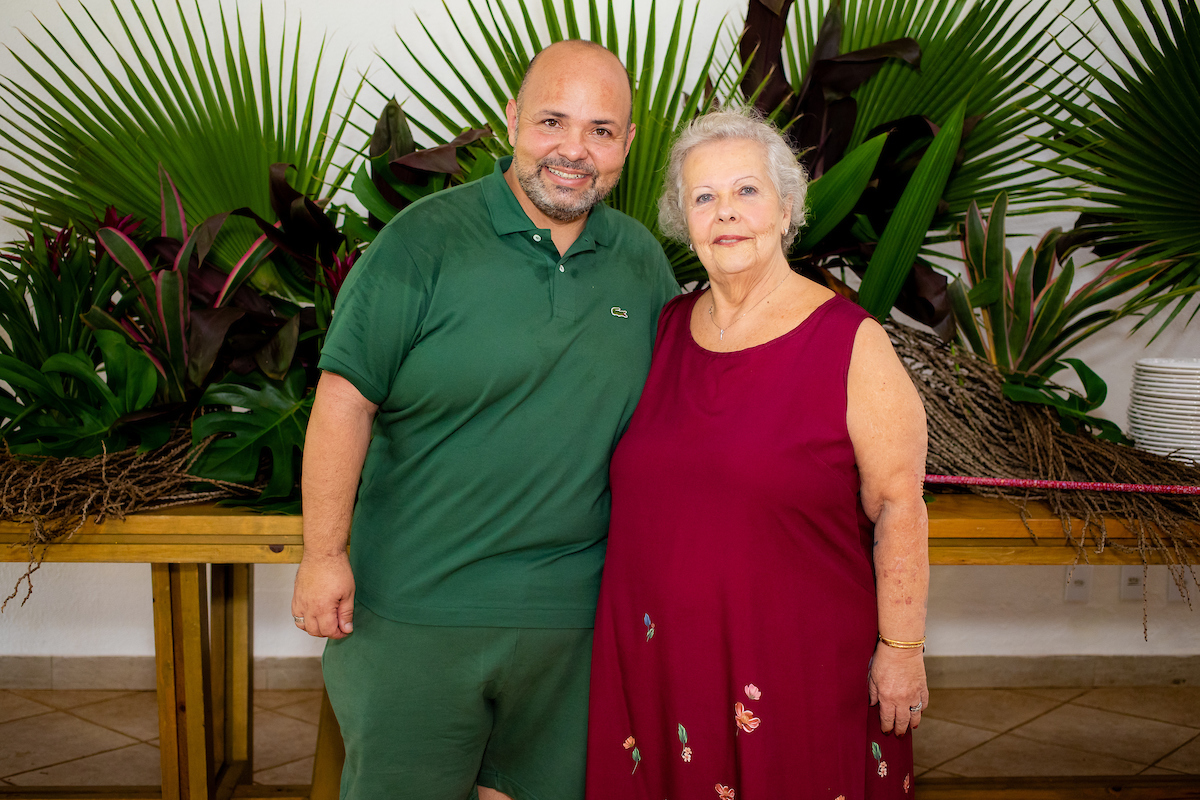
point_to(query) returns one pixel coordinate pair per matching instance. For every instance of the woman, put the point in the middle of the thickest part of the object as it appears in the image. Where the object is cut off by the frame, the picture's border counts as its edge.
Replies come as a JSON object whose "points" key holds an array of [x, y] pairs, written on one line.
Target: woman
{"points": [[768, 524]]}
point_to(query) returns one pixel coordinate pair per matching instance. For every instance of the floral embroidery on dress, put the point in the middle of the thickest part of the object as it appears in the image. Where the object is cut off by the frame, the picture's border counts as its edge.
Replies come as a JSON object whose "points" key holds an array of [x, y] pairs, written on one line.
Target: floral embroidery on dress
{"points": [[907, 782], [878, 754], [744, 718], [686, 755], [724, 792], [635, 755], [649, 627], [752, 692]]}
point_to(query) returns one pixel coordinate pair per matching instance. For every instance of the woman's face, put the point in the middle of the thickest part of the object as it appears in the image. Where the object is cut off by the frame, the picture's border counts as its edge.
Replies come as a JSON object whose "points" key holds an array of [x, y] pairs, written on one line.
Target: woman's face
{"points": [[735, 217]]}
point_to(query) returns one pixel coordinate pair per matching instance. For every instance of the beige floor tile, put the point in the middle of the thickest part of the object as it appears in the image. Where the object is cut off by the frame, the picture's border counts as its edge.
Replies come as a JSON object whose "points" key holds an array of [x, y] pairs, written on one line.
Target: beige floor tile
{"points": [[1059, 693], [137, 765], [36, 742], [1179, 705], [1010, 755], [68, 698], [936, 740], [1185, 759], [291, 774], [991, 709], [13, 706], [279, 739], [1132, 738], [134, 714], [274, 698], [1158, 771], [308, 710]]}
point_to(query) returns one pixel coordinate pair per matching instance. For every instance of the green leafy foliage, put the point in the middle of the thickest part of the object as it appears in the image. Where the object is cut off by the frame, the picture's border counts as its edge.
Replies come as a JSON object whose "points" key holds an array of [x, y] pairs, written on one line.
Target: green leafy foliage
{"points": [[841, 74], [191, 95], [1025, 319], [257, 418], [1131, 145]]}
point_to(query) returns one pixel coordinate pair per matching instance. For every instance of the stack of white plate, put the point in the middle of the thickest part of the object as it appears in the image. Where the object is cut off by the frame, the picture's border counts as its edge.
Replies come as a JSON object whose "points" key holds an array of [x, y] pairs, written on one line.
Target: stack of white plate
{"points": [[1164, 412]]}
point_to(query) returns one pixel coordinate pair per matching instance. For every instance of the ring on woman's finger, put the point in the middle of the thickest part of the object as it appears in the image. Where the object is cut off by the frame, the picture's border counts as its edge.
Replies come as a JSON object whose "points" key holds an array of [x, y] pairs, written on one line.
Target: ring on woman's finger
{"points": [[299, 620], [920, 704]]}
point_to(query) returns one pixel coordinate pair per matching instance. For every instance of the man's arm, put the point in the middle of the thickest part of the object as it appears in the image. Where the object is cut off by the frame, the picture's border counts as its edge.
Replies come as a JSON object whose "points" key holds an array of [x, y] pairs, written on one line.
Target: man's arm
{"points": [[335, 446]]}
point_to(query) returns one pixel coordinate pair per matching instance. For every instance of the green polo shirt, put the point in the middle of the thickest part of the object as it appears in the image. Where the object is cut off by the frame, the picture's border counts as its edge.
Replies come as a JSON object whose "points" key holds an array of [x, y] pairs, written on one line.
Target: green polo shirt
{"points": [[504, 375]]}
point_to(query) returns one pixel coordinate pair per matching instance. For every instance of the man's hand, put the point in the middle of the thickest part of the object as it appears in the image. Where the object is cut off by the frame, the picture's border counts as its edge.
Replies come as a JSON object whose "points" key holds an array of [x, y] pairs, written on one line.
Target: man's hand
{"points": [[323, 599], [896, 681]]}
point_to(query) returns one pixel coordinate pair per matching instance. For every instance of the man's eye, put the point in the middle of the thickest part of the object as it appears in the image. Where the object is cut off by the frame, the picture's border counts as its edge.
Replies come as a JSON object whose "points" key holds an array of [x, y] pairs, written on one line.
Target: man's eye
{"points": [[603, 132], [550, 122]]}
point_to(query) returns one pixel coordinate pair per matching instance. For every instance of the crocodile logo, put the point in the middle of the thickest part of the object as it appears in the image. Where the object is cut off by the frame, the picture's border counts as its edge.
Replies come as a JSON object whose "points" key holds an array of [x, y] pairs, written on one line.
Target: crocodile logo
{"points": [[617, 311]]}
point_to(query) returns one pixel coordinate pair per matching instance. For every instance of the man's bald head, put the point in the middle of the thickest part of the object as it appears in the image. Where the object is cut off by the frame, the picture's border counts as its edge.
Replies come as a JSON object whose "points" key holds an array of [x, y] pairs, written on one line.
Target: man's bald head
{"points": [[571, 51]]}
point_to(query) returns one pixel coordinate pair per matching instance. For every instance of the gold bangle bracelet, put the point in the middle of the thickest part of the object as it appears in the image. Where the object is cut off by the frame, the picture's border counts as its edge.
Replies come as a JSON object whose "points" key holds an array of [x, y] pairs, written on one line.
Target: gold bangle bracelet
{"points": [[902, 645]]}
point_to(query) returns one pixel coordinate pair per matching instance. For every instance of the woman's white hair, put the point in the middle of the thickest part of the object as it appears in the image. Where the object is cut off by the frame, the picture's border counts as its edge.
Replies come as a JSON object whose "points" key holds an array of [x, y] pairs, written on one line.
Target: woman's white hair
{"points": [[742, 123]]}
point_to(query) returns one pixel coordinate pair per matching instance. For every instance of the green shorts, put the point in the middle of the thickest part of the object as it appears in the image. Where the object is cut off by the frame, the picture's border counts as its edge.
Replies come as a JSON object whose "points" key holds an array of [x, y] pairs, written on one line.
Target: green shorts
{"points": [[427, 712]]}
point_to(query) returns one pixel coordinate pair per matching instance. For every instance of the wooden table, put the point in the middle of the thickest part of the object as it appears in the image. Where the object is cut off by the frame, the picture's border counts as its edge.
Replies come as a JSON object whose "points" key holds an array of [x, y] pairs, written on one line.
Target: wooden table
{"points": [[205, 662]]}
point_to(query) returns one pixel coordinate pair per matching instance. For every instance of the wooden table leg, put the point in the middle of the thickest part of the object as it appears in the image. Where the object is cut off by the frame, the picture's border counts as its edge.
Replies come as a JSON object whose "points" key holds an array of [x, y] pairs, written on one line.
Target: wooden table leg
{"points": [[233, 674], [181, 635], [164, 662], [331, 755]]}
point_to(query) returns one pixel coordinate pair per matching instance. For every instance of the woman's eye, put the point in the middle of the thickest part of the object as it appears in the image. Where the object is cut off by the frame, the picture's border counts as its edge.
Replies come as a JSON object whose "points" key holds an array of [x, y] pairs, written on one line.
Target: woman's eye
{"points": [[749, 190], [703, 198]]}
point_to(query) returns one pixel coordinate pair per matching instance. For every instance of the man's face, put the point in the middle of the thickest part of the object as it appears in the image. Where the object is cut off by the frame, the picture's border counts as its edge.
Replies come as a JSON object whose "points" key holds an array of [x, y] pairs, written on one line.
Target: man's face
{"points": [[570, 135]]}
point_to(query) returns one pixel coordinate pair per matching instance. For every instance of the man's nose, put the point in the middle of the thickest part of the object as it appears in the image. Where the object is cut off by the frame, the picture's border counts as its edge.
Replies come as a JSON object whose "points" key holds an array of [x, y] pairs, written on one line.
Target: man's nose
{"points": [[572, 146]]}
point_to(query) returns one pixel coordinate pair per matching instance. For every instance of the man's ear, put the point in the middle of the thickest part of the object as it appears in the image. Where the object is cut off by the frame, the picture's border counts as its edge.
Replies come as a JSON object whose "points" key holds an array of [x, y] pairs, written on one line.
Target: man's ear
{"points": [[510, 112], [629, 137]]}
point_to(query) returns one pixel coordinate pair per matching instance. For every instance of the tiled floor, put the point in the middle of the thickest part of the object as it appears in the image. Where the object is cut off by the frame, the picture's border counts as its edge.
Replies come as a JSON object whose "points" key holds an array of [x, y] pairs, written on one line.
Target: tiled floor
{"points": [[1041, 732], [110, 738], [65, 738]]}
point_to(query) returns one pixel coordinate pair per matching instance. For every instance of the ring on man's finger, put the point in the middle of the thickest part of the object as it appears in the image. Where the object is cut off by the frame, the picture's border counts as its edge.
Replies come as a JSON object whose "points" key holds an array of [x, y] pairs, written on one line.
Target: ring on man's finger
{"points": [[299, 620], [920, 704]]}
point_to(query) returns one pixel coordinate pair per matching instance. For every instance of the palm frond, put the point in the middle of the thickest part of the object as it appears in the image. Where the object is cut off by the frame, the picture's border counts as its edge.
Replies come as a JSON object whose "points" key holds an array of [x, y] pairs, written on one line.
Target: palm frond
{"points": [[205, 108], [1134, 145]]}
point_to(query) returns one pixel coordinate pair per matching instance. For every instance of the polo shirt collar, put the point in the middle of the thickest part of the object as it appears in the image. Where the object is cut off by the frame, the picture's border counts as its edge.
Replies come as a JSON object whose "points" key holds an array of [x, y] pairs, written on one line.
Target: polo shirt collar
{"points": [[508, 216]]}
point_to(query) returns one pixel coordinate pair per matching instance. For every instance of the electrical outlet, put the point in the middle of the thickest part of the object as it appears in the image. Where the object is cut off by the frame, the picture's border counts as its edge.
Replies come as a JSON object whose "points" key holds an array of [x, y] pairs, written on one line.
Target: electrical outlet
{"points": [[1132, 576], [1079, 584]]}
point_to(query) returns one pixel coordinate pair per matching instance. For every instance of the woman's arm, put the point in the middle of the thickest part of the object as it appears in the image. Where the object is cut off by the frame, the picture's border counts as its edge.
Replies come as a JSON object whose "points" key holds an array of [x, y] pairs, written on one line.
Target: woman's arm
{"points": [[887, 428]]}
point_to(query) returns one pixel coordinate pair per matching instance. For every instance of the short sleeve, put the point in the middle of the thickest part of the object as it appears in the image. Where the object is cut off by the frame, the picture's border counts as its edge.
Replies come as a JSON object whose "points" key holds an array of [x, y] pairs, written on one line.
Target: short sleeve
{"points": [[377, 317]]}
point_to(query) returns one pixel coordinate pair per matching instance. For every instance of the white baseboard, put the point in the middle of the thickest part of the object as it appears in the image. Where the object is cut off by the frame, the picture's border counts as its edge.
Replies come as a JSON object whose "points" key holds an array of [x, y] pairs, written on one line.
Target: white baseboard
{"points": [[958, 672]]}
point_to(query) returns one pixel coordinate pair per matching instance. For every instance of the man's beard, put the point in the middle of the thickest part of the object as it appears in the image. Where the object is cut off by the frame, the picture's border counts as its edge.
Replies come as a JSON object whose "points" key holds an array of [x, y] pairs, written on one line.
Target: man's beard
{"points": [[556, 202]]}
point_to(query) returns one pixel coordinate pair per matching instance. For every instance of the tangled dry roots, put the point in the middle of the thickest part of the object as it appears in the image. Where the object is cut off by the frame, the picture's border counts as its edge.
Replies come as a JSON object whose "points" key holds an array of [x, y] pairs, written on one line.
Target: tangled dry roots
{"points": [[55, 497], [974, 430]]}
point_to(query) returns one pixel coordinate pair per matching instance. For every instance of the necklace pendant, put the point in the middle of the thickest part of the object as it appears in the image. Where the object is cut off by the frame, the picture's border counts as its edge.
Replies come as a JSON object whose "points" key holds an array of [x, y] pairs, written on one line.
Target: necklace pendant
{"points": [[722, 336]]}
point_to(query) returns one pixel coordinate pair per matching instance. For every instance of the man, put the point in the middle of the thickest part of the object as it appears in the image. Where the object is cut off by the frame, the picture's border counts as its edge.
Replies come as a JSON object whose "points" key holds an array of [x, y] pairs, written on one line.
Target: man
{"points": [[494, 340]]}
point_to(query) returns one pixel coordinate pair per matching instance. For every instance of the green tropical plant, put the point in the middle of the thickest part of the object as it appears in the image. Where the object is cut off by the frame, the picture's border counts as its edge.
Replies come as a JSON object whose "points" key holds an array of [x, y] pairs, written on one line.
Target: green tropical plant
{"points": [[1133, 145], [663, 98], [64, 408], [46, 283], [952, 85], [158, 320], [1024, 319], [56, 402], [207, 108], [255, 416]]}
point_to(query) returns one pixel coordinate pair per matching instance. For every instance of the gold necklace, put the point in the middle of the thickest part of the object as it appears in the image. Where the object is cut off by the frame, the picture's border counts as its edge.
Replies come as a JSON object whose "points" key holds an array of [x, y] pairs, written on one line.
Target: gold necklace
{"points": [[712, 305]]}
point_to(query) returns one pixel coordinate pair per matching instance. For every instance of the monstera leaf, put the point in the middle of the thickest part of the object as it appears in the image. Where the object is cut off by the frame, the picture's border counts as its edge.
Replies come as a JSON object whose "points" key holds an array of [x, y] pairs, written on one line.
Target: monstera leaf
{"points": [[261, 415]]}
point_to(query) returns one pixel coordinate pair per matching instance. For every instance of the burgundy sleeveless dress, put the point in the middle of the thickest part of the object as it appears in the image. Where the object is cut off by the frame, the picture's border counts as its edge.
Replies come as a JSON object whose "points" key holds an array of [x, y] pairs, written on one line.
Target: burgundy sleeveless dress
{"points": [[737, 611]]}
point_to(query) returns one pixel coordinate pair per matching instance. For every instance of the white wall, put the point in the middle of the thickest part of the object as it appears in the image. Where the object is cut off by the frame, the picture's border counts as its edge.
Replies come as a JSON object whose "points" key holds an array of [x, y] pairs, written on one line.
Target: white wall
{"points": [[105, 609]]}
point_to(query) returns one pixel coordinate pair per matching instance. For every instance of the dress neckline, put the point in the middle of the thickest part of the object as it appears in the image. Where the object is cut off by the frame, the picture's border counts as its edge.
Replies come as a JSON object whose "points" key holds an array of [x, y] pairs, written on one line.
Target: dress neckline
{"points": [[785, 335]]}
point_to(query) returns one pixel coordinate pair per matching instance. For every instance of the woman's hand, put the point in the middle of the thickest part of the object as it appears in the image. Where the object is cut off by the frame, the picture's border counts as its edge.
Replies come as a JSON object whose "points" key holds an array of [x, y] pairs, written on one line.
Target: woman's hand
{"points": [[896, 681]]}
